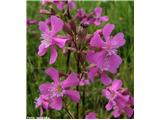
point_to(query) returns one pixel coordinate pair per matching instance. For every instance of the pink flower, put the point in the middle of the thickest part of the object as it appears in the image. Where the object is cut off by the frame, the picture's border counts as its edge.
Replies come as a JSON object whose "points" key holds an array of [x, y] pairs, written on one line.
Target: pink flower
{"points": [[88, 19], [60, 4], [91, 115], [56, 90], [94, 71], [71, 4], [43, 2], [119, 98], [50, 38], [99, 18], [106, 58], [63, 4], [85, 19], [81, 14], [42, 102]]}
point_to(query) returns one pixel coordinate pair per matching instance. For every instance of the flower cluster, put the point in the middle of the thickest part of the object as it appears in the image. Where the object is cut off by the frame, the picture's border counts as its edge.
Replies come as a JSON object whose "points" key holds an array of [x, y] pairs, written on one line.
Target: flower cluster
{"points": [[95, 54], [120, 100], [94, 17]]}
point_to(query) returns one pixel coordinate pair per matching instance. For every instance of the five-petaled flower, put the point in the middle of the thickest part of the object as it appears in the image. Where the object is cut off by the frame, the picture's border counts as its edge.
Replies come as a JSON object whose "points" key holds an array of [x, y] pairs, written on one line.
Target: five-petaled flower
{"points": [[42, 103], [98, 17], [55, 91], [106, 58], [49, 29], [119, 98]]}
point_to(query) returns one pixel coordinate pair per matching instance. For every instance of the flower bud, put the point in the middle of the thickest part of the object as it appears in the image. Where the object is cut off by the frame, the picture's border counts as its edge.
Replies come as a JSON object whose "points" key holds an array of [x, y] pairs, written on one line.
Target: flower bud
{"points": [[44, 11], [73, 26], [67, 28]]}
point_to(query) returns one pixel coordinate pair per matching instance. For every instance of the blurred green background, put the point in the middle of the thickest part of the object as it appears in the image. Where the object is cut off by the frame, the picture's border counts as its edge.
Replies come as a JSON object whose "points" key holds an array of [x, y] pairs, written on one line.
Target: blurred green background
{"points": [[121, 13]]}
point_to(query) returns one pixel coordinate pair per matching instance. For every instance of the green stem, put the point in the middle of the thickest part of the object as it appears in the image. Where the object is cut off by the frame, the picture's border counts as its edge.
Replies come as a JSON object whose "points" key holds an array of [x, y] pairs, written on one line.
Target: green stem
{"points": [[83, 101], [67, 110], [68, 59], [78, 71]]}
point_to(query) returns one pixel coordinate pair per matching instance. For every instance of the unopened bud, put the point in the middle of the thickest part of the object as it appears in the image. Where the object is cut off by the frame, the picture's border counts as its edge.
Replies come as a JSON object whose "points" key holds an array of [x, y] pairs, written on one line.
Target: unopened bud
{"points": [[44, 11]]}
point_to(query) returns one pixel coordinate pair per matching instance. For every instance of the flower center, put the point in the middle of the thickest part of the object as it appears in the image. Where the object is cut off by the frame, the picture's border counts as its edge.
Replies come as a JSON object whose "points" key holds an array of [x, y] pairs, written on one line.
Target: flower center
{"points": [[57, 91], [108, 46], [46, 39]]}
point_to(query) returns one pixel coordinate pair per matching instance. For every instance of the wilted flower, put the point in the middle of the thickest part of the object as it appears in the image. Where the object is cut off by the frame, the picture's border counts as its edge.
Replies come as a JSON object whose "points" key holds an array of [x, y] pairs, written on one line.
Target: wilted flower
{"points": [[98, 17], [106, 58], [91, 115], [119, 98], [56, 90], [50, 38]]}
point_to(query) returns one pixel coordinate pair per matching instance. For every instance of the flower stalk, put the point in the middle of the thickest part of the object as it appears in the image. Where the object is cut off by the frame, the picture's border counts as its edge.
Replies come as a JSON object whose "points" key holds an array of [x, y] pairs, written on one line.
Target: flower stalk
{"points": [[67, 110]]}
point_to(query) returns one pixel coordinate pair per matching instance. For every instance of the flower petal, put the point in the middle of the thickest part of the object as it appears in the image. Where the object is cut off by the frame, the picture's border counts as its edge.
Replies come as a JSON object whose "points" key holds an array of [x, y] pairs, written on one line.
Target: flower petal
{"points": [[100, 60], [90, 56], [107, 62], [116, 113], [92, 73], [113, 63], [53, 73], [98, 11], [44, 88], [39, 102], [71, 4], [72, 80], [96, 41], [42, 50], [56, 103], [104, 18], [57, 24], [60, 41], [118, 40], [105, 79], [129, 111], [73, 94], [80, 13], [107, 30], [53, 55], [45, 105], [116, 84], [109, 106], [97, 22], [91, 115], [43, 27], [60, 5], [106, 93], [42, 101]]}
